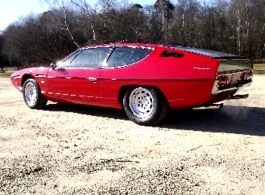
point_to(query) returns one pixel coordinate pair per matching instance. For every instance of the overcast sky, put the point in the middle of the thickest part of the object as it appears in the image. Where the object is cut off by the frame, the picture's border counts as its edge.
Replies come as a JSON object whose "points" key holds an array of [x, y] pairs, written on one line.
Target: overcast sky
{"points": [[11, 10]]}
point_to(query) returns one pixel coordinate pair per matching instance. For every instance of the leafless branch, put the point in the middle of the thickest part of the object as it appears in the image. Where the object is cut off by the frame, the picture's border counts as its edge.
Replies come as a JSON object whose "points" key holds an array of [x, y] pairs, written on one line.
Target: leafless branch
{"points": [[67, 26]]}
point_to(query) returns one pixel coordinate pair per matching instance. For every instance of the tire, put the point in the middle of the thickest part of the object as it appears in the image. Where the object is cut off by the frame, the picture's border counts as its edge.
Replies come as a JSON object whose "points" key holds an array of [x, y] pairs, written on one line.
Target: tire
{"points": [[32, 95], [145, 105]]}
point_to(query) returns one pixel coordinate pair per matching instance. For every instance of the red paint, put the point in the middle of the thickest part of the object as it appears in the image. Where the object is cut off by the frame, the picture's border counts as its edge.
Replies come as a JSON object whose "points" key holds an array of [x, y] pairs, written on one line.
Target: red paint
{"points": [[185, 82]]}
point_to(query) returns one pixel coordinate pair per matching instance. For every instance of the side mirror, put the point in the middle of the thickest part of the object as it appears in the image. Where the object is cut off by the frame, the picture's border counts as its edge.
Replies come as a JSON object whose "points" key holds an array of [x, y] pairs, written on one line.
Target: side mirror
{"points": [[53, 65]]}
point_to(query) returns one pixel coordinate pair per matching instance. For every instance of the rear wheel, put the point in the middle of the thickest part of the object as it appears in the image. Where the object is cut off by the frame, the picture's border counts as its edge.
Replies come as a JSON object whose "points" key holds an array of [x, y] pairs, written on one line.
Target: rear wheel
{"points": [[144, 105], [32, 95]]}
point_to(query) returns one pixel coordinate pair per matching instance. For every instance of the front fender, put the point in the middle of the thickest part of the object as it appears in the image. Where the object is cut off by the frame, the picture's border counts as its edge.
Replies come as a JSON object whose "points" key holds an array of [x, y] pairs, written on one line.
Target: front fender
{"points": [[20, 76]]}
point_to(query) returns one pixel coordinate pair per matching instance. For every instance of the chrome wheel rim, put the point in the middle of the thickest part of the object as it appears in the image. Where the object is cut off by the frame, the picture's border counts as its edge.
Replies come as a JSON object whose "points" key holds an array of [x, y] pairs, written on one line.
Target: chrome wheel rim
{"points": [[141, 102], [30, 94]]}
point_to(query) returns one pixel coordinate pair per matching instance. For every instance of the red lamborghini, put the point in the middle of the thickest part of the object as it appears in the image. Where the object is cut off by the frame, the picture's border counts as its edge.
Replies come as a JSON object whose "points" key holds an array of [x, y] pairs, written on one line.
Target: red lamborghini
{"points": [[145, 80]]}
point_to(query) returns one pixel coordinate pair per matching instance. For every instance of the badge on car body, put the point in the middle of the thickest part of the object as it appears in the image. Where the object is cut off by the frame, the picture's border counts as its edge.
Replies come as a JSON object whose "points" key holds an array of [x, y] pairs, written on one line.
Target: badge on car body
{"points": [[201, 68]]}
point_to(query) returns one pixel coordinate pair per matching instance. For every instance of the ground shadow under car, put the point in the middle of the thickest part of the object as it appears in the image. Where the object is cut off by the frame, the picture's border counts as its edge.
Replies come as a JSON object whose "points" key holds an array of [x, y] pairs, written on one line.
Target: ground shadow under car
{"points": [[229, 119]]}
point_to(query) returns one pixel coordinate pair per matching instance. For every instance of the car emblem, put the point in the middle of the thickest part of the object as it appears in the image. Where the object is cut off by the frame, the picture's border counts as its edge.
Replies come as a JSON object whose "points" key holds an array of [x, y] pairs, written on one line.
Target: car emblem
{"points": [[201, 68]]}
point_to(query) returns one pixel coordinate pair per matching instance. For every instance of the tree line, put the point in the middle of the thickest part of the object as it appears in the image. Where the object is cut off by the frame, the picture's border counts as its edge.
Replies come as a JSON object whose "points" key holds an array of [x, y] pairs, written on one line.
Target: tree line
{"points": [[232, 26]]}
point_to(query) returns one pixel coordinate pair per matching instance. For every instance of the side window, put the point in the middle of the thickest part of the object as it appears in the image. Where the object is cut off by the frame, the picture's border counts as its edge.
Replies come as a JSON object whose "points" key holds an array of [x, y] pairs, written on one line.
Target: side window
{"points": [[90, 58], [123, 56]]}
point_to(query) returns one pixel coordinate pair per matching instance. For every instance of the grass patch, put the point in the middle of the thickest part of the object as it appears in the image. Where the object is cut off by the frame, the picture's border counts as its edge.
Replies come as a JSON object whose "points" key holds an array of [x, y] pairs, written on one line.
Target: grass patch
{"points": [[259, 68], [6, 74]]}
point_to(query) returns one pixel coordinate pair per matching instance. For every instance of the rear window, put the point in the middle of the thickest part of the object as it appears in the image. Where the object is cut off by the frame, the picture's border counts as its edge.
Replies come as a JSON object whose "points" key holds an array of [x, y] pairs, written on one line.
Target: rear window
{"points": [[123, 56], [231, 65]]}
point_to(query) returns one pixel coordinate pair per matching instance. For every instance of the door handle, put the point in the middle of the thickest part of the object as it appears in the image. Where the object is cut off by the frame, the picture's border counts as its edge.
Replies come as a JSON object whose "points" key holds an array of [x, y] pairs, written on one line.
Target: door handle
{"points": [[92, 79]]}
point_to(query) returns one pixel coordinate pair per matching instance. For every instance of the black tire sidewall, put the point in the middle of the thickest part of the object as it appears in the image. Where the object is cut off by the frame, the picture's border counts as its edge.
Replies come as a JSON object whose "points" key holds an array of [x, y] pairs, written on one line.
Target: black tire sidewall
{"points": [[154, 117]]}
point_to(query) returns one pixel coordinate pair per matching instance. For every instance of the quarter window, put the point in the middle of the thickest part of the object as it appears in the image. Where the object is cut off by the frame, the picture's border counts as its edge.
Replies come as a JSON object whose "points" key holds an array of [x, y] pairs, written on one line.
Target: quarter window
{"points": [[123, 56]]}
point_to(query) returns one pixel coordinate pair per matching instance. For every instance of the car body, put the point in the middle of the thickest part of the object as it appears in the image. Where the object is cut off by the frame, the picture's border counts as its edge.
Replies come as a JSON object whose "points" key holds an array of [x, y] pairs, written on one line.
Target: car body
{"points": [[146, 80]]}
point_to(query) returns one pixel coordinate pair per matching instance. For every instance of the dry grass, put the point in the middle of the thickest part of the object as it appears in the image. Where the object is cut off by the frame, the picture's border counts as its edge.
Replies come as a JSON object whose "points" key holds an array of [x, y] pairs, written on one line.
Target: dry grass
{"points": [[259, 68], [5, 74]]}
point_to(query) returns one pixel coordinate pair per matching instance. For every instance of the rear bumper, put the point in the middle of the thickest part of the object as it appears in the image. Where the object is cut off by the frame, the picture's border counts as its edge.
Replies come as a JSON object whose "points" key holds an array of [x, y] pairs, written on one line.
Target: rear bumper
{"points": [[232, 81], [216, 91]]}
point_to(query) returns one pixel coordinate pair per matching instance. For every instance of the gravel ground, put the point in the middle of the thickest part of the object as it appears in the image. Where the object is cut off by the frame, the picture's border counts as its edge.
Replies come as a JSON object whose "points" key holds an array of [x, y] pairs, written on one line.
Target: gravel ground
{"points": [[68, 149]]}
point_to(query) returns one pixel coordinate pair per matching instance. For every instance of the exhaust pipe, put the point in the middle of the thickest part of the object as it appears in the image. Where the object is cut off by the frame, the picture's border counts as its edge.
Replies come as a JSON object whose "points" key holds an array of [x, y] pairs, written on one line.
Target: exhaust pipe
{"points": [[237, 97], [209, 107]]}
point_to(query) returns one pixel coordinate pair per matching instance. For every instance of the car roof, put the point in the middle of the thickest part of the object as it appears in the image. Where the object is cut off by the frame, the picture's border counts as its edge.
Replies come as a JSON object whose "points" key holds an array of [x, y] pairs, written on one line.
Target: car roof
{"points": [[204, 52], [124, 45]]}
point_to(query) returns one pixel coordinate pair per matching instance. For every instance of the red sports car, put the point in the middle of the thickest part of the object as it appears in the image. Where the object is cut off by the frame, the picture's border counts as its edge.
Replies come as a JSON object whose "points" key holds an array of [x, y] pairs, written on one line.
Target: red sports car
{"points": [[145, 80]]}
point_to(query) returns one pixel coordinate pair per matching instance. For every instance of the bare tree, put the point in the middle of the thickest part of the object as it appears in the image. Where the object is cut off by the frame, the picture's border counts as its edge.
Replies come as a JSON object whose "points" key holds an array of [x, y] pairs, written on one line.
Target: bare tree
{"points": [[164, 9], [242, 19], [185, 22], [87, 11], [51, 3], [3, 58], [235, 26]]}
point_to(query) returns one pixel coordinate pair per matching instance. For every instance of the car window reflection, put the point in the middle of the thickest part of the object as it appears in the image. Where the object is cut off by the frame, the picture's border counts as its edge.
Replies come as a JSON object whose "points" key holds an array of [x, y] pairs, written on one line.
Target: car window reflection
{"points": [[87, 58], [123, 56]]}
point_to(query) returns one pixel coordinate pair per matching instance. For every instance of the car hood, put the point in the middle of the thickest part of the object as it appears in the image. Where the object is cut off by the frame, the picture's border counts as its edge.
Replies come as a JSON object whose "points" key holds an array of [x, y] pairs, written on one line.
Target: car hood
{"points": [[40, 71]]}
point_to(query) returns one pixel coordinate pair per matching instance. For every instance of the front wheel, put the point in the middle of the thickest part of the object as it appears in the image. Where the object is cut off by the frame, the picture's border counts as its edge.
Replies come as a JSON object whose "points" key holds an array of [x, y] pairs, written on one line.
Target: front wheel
{"points": [[32, 95], [144, 105]]}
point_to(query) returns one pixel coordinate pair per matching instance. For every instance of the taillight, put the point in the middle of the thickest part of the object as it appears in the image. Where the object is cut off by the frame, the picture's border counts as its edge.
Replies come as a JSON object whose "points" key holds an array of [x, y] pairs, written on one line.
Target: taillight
{"points": [[247, 76], [222, 80]]}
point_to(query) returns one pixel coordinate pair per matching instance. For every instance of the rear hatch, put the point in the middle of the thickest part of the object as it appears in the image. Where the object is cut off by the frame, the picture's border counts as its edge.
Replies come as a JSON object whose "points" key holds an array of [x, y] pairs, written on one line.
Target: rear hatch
{"points": [[234, 72], [228, 62]]}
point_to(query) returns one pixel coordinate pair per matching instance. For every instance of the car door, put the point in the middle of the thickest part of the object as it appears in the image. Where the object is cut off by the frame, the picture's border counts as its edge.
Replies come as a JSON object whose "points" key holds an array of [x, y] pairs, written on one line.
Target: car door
{"points": [[76, 79], [120, 71]]}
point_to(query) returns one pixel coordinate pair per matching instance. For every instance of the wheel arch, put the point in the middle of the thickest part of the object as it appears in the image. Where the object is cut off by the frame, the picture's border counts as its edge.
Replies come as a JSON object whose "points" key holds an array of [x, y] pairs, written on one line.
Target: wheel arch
{"points": [[32, 94], [26, 77]]}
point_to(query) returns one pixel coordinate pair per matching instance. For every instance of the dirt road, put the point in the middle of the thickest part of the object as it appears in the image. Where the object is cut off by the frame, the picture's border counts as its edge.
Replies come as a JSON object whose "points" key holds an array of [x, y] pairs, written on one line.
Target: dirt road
{"points": [[86, 150]]}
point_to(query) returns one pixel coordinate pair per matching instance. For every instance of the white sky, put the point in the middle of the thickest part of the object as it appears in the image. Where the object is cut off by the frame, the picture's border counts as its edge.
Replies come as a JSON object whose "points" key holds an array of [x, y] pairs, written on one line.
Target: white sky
{"points": [[12, 10]]}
